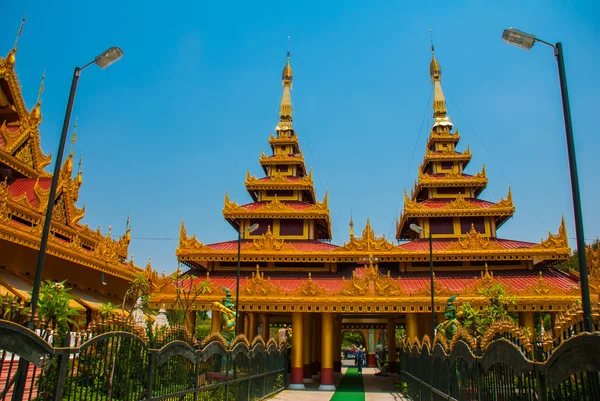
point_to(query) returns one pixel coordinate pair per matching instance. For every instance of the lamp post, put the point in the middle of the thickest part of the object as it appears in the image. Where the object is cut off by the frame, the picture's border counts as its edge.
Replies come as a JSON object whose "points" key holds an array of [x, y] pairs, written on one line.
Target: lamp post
{"points": [[103, 60], [420, 230], [250, 229], [526, 41]]}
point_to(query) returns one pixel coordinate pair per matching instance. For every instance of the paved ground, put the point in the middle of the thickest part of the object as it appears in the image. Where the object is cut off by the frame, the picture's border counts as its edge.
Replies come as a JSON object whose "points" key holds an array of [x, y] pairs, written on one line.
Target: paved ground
{"points": [[377, 388]]}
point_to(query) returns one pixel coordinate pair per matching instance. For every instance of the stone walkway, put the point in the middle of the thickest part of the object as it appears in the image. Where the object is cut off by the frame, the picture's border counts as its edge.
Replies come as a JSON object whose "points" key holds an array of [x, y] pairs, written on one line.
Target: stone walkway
{"points": [[377, 388]]}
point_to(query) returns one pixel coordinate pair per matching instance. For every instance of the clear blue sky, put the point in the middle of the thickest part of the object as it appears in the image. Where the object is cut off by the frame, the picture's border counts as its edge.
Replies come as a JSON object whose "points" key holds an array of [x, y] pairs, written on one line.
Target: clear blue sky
{"points": [[174, 124]]}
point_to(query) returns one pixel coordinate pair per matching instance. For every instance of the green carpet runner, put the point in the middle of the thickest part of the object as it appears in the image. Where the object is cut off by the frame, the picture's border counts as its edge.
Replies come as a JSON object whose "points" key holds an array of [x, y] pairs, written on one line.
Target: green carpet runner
{"points": [[351, 387]]}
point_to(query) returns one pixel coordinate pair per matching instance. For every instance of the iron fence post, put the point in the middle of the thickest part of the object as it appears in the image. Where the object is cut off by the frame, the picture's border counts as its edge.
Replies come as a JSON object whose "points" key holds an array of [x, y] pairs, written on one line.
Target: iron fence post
{"points": [[63, 362], [151, 364], [249, 377], [227, 375], [22, 371]]}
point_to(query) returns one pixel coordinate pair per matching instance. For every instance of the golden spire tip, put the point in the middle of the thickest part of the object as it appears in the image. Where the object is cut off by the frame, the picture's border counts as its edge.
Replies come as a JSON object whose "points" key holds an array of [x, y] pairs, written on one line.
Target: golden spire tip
{"points": [[39, 98], [19, 34]]}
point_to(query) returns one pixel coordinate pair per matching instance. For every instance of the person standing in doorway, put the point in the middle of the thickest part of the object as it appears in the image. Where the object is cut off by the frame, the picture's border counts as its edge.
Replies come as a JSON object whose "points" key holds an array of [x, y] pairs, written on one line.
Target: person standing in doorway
{"points": [[359, 357]]}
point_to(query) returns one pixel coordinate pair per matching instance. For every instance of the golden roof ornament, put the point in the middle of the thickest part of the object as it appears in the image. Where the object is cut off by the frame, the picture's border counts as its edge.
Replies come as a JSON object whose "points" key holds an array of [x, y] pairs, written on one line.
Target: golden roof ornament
{"points": [[287, 75], [285, 110], [11, 57]]}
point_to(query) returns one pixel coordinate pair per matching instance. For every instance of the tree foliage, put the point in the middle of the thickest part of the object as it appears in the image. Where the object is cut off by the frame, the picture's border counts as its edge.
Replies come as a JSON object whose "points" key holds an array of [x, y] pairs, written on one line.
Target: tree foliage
{"points": [[478, 320]]}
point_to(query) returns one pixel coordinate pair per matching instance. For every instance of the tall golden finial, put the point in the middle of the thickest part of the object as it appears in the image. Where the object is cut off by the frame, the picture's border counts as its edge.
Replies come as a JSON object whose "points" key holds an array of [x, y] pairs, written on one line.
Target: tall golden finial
{"points": [[128, 224], [351, 226], [434, 67], [74, 137], [439, 101], [285, 111], [19, 34], [39, 98], [11, 58]]}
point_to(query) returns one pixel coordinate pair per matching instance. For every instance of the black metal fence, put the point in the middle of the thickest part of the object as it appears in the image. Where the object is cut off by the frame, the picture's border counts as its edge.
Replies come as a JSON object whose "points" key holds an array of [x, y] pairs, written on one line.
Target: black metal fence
{"points": [[502, 371], [122, 366]]}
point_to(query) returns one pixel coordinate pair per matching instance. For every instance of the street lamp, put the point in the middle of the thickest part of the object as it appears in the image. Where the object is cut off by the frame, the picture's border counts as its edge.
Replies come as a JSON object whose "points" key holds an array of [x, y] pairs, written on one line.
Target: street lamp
{"points": [[103, 60], [526, 41], [250, 229]]}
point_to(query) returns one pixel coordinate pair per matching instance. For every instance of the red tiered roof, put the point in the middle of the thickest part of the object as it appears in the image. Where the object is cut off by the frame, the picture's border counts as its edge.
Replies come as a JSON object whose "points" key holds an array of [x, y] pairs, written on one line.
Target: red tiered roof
{"points": [[442, 244], [516, 280], [10, 128], [25, 186], [300, 245], [297, 205], [439, 203], [289, 178]]}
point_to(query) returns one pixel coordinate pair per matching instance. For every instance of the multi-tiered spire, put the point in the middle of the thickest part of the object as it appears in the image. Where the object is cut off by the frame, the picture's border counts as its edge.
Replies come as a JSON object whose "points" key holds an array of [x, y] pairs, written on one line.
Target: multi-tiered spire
{"points": [[444, 198], [284, 200]]}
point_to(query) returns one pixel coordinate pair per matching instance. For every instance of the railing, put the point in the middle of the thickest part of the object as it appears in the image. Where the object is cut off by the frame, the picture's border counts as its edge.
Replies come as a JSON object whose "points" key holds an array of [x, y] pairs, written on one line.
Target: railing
{"points": [[123, 366], [502, 371]]}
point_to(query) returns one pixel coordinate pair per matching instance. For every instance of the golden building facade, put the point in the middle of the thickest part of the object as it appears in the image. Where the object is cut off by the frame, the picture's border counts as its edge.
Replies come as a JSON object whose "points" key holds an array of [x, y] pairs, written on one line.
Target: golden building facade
{"points": [[95, 265], [292, 274]]}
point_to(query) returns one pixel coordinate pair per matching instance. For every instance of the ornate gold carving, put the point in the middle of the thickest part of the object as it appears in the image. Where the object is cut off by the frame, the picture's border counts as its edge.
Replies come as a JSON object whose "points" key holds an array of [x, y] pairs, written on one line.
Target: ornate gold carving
{"points": [[310, 288], [24, 154], [371, 282], [460, 203], [282, 158], [58, 211], [4, 216], [543, 288], [257, 285], [367, 242], [506, 326], [473, 241], [438, 289], [276, 207], [186, 242], [268, 242], [463, 334], [230, 206], [554, 241]]}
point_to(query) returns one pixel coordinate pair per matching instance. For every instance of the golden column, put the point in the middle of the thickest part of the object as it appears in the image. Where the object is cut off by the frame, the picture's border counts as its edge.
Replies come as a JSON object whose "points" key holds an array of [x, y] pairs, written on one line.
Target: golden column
{"points": [[316, 345], [307, 346], [266, 327], [252, 326], [391, 340], [246, 326], [337, 347], [190, 322], [526, 320], [215, 321], [424, 326], [327, 352], [297, 352], [411, 327], [241, 322]]}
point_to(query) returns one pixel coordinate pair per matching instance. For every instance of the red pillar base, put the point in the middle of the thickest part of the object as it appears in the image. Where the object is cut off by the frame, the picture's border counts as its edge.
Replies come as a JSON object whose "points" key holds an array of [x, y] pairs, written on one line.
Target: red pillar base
{"points": [[327, 379], [337, 366], [371, 361], [314, 368], [296, 376], [307, 374]]}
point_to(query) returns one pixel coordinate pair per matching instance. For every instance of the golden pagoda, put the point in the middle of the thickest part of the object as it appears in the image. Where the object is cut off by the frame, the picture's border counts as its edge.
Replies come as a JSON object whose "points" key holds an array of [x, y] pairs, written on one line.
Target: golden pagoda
{"points": [[291, 273], [94, 264]]}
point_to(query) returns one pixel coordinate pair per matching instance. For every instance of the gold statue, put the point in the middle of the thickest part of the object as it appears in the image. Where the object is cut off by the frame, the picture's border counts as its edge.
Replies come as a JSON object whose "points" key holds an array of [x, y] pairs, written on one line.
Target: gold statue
{"points": [[227, 315]]}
